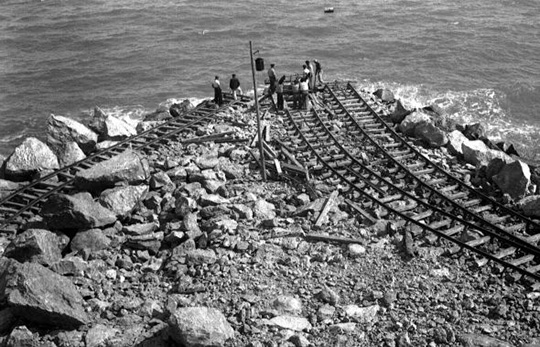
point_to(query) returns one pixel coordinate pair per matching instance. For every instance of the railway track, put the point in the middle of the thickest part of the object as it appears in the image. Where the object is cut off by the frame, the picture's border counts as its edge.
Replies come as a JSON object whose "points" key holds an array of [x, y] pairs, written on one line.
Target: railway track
{"points": [[379, 171], [26, 200]]}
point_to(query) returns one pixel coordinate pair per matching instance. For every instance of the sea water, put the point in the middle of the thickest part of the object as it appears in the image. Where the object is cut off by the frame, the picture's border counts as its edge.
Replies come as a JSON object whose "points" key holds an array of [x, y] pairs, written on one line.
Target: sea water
{"points": [[479, 60]]}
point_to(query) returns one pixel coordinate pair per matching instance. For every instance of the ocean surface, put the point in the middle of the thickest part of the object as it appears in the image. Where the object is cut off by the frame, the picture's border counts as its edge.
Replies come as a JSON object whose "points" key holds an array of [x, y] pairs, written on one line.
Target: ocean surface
{"points": [[479, 60]]}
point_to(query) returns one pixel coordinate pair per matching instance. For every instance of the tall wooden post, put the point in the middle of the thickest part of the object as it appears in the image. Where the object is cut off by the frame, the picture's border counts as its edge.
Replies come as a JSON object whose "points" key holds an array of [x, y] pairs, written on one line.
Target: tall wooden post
{"points": [[259, 130]]}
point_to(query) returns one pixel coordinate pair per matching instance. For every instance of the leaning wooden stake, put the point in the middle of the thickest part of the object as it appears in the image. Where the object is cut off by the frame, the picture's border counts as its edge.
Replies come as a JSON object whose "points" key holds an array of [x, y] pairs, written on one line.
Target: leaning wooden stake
{"points": [[327, 206]]}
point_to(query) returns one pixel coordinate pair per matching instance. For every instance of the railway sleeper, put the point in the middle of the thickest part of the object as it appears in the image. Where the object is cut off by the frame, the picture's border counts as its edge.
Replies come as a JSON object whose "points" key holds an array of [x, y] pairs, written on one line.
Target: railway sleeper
{"points": [[522, 260], [472, 243], [481, 209]]}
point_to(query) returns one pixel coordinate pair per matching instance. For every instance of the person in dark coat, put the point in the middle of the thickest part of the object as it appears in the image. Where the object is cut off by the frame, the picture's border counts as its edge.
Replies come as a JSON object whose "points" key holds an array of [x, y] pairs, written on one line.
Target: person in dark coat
{"points": [[279, 91], [234, 84], [272, 78]]}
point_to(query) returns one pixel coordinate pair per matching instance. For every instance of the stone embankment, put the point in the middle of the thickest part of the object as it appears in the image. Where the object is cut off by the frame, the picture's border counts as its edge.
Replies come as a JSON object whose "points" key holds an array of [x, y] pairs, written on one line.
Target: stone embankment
{"points": [[188, 247]]}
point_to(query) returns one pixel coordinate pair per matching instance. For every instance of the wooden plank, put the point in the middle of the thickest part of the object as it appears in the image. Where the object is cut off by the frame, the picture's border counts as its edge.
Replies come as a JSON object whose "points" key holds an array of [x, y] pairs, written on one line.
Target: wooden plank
{"points": [[326, 208], [278, 167]]}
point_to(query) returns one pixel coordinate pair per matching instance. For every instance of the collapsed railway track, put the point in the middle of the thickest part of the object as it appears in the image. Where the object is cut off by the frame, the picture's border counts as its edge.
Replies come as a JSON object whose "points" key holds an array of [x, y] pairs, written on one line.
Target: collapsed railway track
{"points": [[380, 171], [26, 200]]}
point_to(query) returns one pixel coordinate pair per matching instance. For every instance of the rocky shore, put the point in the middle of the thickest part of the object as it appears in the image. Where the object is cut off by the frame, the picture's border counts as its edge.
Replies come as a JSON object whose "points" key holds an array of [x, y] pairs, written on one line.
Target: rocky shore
{"points": [[188, 247]]}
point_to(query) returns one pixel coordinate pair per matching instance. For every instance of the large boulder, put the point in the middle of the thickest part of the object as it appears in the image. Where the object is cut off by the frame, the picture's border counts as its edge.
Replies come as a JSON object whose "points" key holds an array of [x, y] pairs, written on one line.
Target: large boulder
{"points": [[122, 200], [178, 109], [199, 327], [455, 142], [530, 206], [62, 130], [514, 179], [385, 95], [399, 113], [69, 153], [431, 135], [38, 295], [129, 167], [410, 122], [78, 211], [36, 245], [29, 158], [93, 240], [475, 131], [109, 127], [7, 187], [477, 153]]}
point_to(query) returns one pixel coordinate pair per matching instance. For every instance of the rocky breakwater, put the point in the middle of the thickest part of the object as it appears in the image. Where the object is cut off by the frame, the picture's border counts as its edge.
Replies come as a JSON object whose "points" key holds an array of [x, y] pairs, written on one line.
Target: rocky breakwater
{"points": [[188, 247]]}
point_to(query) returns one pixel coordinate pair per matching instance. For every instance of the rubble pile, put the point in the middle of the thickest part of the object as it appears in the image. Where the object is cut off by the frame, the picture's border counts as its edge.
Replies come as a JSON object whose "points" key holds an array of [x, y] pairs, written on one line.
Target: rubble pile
{"points": [[189, 247]]}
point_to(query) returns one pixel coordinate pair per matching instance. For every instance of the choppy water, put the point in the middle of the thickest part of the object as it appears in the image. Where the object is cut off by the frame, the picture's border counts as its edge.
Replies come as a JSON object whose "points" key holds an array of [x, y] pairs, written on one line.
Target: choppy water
{"points": [[478, 59]]}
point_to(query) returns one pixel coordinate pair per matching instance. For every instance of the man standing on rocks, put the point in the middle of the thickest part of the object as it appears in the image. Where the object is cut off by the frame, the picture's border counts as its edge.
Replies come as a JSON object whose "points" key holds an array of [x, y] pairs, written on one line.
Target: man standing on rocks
{"points": [[234, 84], [272, 78], [218, 97]]}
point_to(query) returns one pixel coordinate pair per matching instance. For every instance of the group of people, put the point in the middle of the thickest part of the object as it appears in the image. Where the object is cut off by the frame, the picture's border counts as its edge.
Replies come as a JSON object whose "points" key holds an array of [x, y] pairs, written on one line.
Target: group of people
{"points": [[234, 85], [311, 73]]}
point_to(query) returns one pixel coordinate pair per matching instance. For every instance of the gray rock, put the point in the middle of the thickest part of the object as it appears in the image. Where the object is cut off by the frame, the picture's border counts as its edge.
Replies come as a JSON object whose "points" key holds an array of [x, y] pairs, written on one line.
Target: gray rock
{"points": [[410, 123], [35, 245], [385, 95], [178, 173], [39, 295], [70, 266], [328, 295], [475, 131], [482, 340], [191, 226], [69, 153], [207, 161], [200, 327], [147, 242], [109, 127], [455, 142], [299, 341], [291, 322], [264, 210], [478, 154], [212, 200], [128, 167], [287, 305], [63, 130], [29, 158], [105, 144], [362, 314], [243, 211], [495, 166], [159, 180], [325, 312], [514, 179], [140, 229], [184, 206], [92, 240], [343, 328], [356, 250], [430, 135], [147, 125], [530, 206], [99, 334], [21, 336], [122, 200], [78, 211], [231, 170], [201, 256], [7, 187]]}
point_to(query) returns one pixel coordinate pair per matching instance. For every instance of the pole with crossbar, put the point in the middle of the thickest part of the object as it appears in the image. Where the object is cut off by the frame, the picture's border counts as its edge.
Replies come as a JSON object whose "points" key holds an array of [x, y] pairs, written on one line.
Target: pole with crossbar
{"points": [[259, 131]]}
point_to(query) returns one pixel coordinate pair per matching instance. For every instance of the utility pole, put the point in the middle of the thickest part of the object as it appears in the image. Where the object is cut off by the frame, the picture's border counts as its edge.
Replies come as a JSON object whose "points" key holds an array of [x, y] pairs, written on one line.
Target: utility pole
{"points": [[259, 130]]}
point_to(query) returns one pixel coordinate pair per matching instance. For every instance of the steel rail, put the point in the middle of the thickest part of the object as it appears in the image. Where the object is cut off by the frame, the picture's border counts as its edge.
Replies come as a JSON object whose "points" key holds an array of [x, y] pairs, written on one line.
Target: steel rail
{"points": [[427, 162], [140, 141], [405, 217], [432, 191]]}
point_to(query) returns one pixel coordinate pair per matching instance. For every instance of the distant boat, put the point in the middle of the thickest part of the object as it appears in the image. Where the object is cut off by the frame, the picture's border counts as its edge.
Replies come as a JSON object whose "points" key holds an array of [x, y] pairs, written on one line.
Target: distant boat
{"points": [[328, 10]]}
